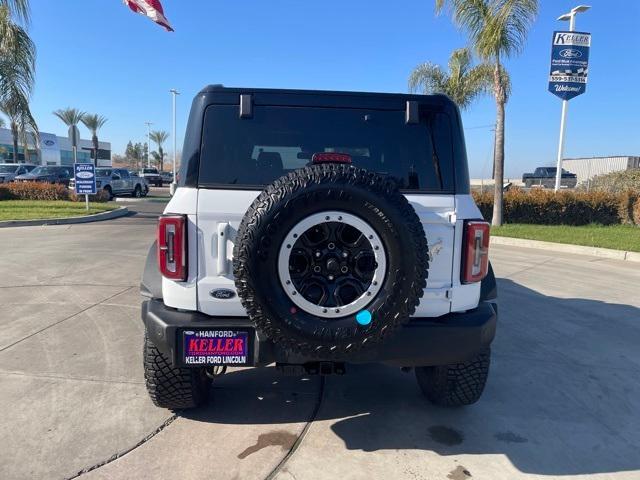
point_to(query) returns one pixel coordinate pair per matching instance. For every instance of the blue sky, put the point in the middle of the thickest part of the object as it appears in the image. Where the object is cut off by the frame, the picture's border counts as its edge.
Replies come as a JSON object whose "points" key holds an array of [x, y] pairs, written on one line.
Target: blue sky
{"points": [[98, 56]]}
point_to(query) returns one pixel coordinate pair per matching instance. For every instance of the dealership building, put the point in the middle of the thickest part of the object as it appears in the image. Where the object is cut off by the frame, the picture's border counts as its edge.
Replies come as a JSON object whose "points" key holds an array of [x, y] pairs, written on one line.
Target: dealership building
{"points": [[53, 150]]}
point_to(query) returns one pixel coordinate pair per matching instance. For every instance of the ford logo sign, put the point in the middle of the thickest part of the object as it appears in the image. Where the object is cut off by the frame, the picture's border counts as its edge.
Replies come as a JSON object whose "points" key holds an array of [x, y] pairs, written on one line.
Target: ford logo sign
{"points": [[49, 143], [570, 53], [85, 175], [222, 293]]}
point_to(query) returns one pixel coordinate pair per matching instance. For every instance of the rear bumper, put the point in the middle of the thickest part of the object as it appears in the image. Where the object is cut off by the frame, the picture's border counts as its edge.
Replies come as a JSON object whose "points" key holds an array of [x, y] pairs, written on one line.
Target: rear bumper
{"points": [[452, 338]]}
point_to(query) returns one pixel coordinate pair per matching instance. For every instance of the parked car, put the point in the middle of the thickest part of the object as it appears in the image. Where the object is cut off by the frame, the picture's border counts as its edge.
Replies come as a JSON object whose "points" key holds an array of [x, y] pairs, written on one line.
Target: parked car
{"points": [[117, 181], [9, 171], [152, 176], [146, 184], [545, 177], [167, 177], [309, 248], [48, 174]]}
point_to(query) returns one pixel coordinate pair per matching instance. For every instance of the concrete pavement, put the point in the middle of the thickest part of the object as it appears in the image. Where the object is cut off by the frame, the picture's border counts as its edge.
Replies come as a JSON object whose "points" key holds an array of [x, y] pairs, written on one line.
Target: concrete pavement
{"points": [[563, 398]]}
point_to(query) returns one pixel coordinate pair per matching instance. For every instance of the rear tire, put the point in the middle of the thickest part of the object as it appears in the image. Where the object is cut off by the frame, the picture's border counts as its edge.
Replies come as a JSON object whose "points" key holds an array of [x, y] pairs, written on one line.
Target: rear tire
{"points": [[109, 193], [172, 387], [457, 384], [137, 192]]}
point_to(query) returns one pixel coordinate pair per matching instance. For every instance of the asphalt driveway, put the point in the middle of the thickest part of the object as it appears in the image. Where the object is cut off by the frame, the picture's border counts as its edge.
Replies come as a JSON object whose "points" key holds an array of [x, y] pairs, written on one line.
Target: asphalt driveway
{"points": [[563, 399]]}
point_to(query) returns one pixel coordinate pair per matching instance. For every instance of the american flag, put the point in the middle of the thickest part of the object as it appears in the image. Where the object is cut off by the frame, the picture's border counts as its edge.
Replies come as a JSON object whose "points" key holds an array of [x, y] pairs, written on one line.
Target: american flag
{"points": [[152, 9]]}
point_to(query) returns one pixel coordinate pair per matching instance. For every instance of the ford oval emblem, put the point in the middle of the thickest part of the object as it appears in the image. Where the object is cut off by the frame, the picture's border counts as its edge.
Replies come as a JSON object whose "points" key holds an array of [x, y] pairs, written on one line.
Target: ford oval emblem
{"points": [[570, 53], [49, 143], [222, 293], [84, 175]]}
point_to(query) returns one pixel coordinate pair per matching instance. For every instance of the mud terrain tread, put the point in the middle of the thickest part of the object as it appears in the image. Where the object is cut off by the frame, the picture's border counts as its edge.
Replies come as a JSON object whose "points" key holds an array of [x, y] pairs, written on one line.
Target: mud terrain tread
{"points": [[172, 387], [275, 197], [457, 384]]}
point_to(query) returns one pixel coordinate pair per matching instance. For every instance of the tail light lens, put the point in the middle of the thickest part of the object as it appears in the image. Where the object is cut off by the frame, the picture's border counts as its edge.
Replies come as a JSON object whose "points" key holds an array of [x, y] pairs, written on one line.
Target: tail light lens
{"points": [[331, 157], [475, 259], [172, 246]]}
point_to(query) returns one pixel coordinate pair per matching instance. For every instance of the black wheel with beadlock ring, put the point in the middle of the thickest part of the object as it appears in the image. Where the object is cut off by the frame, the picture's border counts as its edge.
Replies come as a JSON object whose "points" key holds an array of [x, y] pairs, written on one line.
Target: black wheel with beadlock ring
{"points": [[330, 259]]}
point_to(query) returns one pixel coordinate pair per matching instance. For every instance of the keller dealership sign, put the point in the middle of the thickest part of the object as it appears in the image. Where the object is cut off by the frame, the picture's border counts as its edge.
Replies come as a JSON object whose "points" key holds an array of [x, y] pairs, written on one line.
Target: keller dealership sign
{"points": [[569, 64]]}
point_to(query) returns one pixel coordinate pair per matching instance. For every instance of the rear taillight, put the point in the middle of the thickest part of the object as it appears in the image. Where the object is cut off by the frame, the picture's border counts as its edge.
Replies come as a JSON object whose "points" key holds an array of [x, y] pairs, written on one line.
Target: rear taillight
{"points": [[331, 157], [172, 246], [475, 259]]}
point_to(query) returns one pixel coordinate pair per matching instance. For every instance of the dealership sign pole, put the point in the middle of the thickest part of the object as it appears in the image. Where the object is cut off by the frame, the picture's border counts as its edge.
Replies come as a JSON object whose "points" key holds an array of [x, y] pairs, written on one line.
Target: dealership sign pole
{"points": [[568, 75]]}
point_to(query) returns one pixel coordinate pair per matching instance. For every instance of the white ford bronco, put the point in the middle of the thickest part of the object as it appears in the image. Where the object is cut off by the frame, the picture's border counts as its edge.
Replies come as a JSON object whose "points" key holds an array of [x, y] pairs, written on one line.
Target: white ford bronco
{"points": [[313, 230]]}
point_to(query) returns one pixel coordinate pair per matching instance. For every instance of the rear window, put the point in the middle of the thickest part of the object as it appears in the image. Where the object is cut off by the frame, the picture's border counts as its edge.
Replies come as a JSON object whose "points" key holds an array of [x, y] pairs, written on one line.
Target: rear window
{"points": [[253, 152]]}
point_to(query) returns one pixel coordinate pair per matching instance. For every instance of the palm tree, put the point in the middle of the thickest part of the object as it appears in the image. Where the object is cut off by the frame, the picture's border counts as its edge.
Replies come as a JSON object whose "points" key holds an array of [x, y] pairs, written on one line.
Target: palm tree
{"points": [[497, 29], [71, 117], [2, 124], [19, 8], [17, 51], [462, 83], [94, 123], [16, 107], [159, 137], [17, 67]]}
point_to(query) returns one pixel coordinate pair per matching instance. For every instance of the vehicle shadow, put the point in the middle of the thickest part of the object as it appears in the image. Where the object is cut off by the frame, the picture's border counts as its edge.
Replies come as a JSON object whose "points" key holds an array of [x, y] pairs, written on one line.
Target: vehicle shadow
{"points": [[563, 397]]}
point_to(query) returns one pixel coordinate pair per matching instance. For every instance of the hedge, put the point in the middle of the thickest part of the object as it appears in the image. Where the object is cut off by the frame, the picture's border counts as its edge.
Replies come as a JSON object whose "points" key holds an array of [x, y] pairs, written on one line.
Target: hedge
{"points": [[44, 191], [545, 207]]}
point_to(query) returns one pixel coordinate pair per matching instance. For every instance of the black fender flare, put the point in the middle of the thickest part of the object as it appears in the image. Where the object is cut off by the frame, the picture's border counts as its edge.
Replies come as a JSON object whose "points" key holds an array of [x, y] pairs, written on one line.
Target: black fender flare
{"points": [[151, 284], [488, 286]]}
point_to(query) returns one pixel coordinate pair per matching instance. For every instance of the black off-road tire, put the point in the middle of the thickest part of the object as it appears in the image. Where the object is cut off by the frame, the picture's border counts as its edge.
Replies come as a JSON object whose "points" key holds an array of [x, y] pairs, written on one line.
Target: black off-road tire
{"points": [[370, 196], [172, 387], [137, 191], [109, 192], [455, 385]]}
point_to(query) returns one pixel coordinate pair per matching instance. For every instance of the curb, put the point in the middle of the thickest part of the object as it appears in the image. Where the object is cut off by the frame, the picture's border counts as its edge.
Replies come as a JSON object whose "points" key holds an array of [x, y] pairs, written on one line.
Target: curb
{"points": [[97, 217], [568, 248], [143, 199]]}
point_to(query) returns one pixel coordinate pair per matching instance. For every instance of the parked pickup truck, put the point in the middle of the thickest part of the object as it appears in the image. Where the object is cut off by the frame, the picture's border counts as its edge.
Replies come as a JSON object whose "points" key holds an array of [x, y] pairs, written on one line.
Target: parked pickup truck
{"points": [[117, 181], [9, 171], [545, 177], [152, 176]]}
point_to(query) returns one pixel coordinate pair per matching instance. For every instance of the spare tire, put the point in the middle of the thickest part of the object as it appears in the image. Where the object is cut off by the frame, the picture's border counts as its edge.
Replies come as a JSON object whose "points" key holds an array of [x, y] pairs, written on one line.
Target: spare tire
{"points": [[330, 259]]}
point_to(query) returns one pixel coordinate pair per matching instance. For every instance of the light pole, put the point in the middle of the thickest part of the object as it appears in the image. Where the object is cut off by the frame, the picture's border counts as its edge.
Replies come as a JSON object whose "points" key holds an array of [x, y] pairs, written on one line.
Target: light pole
{"points": [[571, 17], [148, 124], [174, 94]]}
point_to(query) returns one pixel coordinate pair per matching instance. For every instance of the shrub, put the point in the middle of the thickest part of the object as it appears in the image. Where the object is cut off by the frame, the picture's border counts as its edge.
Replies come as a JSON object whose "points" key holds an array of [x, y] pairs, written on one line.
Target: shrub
{"points": [[34, 191], [615, 182], [636, 212], [627, 202], [546, 207], [99, 197]]}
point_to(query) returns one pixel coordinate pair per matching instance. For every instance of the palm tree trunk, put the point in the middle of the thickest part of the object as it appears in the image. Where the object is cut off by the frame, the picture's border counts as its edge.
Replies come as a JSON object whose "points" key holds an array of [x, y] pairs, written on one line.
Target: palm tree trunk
{"points": [[161, 158], [498, 159], [96, 146], [14, 134]]}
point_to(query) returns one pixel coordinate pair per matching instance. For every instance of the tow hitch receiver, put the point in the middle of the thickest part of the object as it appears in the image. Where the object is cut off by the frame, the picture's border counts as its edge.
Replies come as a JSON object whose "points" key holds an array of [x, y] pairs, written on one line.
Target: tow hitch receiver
{"points": [[311, 368]]}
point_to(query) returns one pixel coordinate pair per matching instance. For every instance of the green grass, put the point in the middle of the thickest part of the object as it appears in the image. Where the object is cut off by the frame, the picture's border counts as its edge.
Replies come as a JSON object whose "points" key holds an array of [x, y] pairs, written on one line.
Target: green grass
{"points": [[618, 237], [41, 209]]}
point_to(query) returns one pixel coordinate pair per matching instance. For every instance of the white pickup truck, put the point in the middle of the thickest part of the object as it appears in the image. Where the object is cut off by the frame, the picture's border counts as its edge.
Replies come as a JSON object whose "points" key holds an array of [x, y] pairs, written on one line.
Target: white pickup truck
{"points": [[314, 230]]}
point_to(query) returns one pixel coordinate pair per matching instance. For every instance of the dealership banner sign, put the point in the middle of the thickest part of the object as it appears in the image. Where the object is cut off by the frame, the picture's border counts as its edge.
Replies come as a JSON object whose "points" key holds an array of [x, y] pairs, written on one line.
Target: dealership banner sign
{"points": [[569, 64], [85, 177]]}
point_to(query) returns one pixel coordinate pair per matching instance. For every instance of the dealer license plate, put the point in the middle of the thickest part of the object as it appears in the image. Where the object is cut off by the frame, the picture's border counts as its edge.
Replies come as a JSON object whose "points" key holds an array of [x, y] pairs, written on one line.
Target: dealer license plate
{"points": [[216, 347]]}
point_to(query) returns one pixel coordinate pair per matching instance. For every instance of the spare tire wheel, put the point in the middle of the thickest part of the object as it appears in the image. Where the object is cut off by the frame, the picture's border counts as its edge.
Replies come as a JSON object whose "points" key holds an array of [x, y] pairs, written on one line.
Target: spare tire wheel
{"points": [[330, 259]]}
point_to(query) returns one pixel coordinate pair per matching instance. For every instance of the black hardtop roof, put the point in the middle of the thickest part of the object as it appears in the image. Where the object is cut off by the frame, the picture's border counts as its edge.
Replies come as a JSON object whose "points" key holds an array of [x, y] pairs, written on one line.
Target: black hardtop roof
{"points": [[216, 93]]}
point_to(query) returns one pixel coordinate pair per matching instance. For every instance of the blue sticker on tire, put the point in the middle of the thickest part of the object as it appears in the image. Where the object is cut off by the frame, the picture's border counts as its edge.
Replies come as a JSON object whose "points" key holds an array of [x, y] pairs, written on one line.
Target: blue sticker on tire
{"points": [[363, 317]]}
